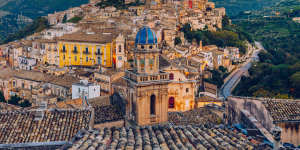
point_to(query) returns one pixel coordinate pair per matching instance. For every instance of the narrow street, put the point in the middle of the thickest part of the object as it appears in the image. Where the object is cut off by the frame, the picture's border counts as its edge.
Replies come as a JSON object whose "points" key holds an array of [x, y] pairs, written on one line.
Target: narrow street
{"points": [[229, 85]]}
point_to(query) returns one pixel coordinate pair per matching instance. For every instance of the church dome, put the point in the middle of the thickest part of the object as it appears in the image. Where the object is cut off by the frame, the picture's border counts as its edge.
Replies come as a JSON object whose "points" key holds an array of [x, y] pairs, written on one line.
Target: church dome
{"points": [[145, 36]]}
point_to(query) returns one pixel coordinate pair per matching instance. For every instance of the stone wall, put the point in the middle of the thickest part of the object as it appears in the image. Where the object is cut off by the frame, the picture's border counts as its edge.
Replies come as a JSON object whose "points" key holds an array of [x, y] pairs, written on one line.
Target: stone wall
{"points": [[254, 106], [290, 132]]}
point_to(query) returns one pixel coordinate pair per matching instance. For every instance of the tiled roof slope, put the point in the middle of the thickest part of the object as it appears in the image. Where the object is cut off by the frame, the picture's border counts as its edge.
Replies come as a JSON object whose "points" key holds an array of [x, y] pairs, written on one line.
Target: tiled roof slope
{"points": [[161, 138], [56, 125], [283, 110], [104, 110], [5, 106], [195, 117]]}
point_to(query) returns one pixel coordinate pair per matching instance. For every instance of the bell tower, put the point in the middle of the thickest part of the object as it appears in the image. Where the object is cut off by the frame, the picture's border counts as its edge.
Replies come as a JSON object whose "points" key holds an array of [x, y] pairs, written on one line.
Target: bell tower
{"points": [[147, 85]]}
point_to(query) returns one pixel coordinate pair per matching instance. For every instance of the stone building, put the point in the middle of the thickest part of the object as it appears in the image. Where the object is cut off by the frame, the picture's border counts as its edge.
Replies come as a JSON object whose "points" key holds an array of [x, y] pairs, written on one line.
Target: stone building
{"points": [[266, 114], [147, 84]]}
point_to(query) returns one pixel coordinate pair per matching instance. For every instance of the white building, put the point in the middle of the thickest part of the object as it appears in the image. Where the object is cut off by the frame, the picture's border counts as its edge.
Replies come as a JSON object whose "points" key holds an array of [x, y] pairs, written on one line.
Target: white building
{"points": [[232, 52], [85, 90], [208, 55], [26, 63], [59, 30]]}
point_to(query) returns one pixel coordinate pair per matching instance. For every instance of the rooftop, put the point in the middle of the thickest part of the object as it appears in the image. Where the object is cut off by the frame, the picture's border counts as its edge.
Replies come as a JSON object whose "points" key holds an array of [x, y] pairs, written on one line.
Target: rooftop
{"points": [[5, 106], [161, 137], [194, 117], [283, 110], [92, 37], [104, 111], [56, 125]]}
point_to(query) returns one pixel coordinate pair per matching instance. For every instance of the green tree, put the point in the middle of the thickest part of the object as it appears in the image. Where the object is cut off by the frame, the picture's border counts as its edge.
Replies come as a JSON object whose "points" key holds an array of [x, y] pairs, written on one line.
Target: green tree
{"points": [[2, 98], [295, 81], [75, 19], [38, 25], [64, 18], [225, 21], [223, 69], [25, 103], [14, 100], [177, 41]]}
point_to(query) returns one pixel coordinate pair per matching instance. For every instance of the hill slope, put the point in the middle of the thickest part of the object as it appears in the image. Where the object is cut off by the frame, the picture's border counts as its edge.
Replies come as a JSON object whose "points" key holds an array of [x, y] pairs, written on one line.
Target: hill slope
{"points": [[12, 10]]}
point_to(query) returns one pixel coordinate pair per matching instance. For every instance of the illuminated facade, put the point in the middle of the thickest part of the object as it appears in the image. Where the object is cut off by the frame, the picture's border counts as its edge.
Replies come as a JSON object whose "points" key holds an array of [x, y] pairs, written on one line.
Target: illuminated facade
{"points": [[90, 49], [147, 84]]}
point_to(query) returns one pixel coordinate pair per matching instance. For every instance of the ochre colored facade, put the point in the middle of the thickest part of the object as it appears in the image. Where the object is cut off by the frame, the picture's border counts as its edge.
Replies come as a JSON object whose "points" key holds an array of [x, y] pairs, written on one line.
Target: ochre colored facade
{"points": [[147, 91], [181, 90], [86, 54]]}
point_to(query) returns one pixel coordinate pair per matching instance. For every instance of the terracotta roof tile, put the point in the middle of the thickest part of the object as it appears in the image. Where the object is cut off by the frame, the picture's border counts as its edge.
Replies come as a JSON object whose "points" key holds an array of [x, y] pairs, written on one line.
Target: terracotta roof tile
{"points": [[56, 125]]}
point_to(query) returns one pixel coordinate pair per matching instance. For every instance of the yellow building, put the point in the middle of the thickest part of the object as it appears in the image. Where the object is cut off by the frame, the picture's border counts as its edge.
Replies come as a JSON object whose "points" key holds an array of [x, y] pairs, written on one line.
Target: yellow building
{"points": [[88, 49], [181, 89]]}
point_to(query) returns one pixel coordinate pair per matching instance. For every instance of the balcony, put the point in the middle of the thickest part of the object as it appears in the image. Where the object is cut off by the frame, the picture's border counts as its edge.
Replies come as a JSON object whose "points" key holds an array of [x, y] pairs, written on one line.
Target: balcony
{"points": [[152, 118], [145, 77], [86, 53], [97, 53]]}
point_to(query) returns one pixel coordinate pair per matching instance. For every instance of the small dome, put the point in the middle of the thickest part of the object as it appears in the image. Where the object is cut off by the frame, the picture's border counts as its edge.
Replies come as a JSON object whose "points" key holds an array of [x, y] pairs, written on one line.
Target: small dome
{"points": [[145, 36]]}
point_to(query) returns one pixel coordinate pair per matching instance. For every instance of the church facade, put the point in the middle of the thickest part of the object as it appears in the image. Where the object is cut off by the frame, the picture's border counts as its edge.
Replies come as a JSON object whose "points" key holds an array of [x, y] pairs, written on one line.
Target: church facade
{"points": [[147, 85]]}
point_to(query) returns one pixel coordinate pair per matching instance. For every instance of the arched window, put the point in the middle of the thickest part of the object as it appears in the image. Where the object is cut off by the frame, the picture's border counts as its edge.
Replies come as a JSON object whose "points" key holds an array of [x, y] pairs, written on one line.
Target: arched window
{"points": [[171, 76], [75, 49], [171, 102], [152, 104]]}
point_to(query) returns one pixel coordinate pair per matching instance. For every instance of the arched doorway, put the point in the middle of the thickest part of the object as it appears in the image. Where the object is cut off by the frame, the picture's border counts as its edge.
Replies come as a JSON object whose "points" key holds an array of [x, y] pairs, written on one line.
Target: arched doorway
{"points": [[152, 104], [171, 102]]}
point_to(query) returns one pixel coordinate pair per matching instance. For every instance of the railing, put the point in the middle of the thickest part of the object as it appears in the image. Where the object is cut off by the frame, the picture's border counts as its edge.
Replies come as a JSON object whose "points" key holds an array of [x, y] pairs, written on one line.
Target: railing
{"points": [[96, 53]]}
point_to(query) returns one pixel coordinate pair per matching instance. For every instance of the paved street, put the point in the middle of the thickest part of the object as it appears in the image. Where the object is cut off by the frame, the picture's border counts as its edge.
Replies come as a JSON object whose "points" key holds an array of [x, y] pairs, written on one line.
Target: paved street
{"points": [[236, 75]]}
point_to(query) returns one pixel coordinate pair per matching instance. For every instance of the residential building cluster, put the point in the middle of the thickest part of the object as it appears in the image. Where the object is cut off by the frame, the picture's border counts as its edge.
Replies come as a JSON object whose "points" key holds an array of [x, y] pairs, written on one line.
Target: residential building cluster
{"points": [[116, 80]]}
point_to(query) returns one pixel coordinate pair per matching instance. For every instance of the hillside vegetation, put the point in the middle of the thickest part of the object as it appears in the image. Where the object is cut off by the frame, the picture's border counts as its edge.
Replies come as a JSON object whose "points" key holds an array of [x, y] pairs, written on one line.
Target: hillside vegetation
{"points": [[278, 72], [234, 7], [31, 9]]}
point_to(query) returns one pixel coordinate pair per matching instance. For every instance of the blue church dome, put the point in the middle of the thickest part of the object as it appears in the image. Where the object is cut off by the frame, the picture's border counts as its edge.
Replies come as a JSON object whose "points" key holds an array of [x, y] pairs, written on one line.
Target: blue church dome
{"points": [[145, 36]]}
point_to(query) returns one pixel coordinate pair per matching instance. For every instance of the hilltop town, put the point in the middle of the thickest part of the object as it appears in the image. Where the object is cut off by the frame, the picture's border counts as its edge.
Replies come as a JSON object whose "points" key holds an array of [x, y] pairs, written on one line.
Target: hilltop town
{"points": [[127, 77]]}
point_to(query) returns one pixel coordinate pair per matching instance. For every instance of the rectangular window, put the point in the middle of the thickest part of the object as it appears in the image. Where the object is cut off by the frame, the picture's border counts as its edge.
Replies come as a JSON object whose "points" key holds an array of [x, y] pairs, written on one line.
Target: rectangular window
{"points": [[142, 61], [187, 90], [75, 58], [87, 59], [87, 50], [98, 51], [171, 102], [151, 63], [99, 60], [120, 58], [64, 48], [120, 48]]}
